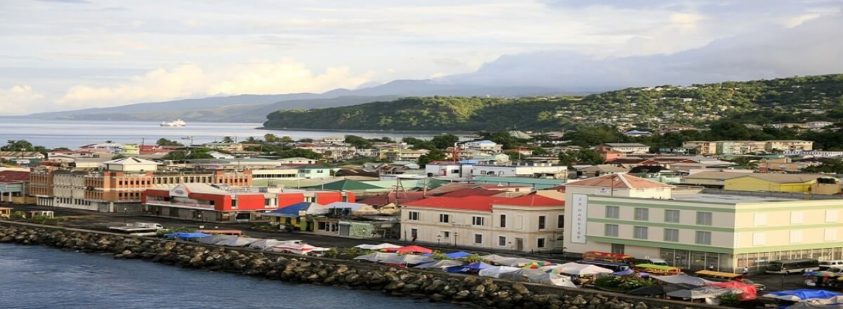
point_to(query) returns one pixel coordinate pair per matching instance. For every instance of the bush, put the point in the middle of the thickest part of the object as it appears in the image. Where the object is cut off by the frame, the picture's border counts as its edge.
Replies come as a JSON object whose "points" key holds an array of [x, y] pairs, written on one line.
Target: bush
{"points": [[472, 258], [729, 299]]}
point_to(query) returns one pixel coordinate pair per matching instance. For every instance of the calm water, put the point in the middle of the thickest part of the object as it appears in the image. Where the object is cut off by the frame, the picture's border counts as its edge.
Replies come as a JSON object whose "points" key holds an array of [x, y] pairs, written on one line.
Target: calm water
{"points": [[40, 277], [66, 133]]}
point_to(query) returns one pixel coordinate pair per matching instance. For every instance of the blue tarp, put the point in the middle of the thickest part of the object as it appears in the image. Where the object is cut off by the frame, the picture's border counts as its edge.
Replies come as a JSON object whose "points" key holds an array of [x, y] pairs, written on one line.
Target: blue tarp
{"points": [[802, 294], [186, 236], [473, 267], [625, 272], [291, 211], [457, 255]]}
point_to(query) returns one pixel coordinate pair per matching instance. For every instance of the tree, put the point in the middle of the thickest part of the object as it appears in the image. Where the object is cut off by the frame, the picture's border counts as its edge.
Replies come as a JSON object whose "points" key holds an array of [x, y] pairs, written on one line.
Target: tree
{"points": [[228, 140], [834, 166], [165, 142], [270, 138], [18, 145], [296, 152], [582, 156], [196, 153], [433, 155], [357, 141], [445, 140]]}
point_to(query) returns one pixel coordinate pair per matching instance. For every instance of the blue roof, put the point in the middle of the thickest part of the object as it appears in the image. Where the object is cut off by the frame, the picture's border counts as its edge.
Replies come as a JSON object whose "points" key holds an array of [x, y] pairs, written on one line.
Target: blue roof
{"points": [[291, 211]]}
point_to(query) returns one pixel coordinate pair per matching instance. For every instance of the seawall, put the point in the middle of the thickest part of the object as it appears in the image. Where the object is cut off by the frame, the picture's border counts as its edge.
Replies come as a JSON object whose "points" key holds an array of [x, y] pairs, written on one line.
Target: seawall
{"points": [[435, 286]]}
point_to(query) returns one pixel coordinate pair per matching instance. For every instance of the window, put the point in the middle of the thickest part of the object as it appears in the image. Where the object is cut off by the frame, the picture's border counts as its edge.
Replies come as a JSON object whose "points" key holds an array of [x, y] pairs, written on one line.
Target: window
{"points": [[671, 215], [444, 218], [612, 212], [414, 233], [642, 214], [611, 230], [502, 241], [639, 232], [540, 243], [671, 235], [503, 220], [446, 234], [414, 216], [560, 221], [478, 238], [478, 221], [703, 218], [703, 238], [542, 222], [234, 203]]}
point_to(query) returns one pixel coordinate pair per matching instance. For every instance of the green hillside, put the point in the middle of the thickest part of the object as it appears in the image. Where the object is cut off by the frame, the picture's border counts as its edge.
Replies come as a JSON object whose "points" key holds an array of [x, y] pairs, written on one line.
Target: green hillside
{"points": [[760, 102]]}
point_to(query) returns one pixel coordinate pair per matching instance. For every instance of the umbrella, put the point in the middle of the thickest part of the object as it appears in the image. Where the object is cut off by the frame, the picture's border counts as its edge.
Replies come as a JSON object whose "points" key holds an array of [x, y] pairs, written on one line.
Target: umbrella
{"points": [[440, 264], [473, 267], [576, 269], [747, 291], [682, 279], [801, 294], [378, 247], [700, 292], [409, 249], [375, 257], [496, 271], [538, 276], [408, 259]]}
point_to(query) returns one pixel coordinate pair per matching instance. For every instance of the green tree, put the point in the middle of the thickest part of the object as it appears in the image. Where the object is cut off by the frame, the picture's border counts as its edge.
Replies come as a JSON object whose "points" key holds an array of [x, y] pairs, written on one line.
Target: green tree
{"points": [[270, 138], [357, 141], [166, 142], [196, 153], [227, 139], [433, 155], [582, 156], [445, 140], [18, 145], [295, 152]]}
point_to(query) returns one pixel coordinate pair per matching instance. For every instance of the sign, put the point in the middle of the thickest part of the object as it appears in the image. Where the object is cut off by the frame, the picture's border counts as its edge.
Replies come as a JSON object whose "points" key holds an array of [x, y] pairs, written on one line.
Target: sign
{"points": [[579, 221]]}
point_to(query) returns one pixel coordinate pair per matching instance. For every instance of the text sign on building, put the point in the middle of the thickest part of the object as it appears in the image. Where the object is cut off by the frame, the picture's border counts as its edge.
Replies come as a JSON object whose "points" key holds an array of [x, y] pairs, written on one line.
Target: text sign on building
{"points": [[579, 211]]}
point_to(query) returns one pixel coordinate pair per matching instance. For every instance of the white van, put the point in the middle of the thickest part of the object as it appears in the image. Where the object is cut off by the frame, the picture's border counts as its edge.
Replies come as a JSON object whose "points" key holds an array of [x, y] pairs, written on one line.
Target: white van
{"points": [[831, 263]]}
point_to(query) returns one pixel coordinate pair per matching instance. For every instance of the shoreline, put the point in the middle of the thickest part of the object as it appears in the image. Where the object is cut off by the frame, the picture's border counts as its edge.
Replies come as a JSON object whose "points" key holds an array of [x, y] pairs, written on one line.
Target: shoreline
{"points": [[466, 290], [437, 132]]}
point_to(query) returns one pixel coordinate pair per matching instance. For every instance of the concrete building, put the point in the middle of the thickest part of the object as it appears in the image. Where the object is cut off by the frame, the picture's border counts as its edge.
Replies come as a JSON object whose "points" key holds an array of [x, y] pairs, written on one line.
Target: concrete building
{"points": [[485, 146], [708, 148], [467, 169], [13, 186], [527, 223], [626, 214], [205, 202], [625, 148], [786, 183], [131, 164]]}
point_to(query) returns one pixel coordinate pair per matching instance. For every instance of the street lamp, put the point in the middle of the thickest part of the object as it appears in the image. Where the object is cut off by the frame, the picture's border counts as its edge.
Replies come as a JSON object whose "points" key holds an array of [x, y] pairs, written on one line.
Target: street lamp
{"points": [[455, 238], [438, 240]]}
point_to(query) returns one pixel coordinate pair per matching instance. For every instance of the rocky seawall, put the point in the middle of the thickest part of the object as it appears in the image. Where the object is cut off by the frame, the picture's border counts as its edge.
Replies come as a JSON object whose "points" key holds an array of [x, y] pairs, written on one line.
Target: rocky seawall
{"points": [[435, 286]]}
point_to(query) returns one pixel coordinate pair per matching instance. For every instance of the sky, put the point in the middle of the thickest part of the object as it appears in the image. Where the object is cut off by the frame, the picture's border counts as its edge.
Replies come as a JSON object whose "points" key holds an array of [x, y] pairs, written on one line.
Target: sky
{"points": [[70, 54]]}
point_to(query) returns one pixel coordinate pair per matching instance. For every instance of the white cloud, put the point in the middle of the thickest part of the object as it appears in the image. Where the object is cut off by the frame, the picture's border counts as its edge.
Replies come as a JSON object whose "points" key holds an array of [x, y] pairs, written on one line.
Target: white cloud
{"points": [[18, 99], [798, 20], [191, 80]]}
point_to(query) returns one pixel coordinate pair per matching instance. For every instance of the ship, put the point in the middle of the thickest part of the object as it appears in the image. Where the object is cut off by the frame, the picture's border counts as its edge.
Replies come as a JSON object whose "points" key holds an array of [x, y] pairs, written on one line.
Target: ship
{"points": [[178, 123]]}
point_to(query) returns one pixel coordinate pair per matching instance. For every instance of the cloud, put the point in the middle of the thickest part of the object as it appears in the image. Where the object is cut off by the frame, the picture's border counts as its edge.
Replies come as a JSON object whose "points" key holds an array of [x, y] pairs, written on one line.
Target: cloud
{"points": [[18, 98], [191, 80]]}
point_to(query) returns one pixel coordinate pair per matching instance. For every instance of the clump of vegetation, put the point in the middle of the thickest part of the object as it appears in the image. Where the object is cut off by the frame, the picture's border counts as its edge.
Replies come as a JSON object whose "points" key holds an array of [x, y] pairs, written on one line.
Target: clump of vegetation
{"points": [[472, 258], [346, 253], [730, 299], [622, 283]]}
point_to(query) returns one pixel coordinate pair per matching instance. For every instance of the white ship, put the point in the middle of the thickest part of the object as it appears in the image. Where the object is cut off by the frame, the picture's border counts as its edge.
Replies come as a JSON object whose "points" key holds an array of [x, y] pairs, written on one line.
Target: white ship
{"points": [[178, 123]]}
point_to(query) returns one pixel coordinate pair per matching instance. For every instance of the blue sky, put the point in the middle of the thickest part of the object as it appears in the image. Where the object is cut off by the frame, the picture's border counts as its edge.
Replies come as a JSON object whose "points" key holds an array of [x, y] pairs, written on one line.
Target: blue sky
{"points": [[68, 54]]}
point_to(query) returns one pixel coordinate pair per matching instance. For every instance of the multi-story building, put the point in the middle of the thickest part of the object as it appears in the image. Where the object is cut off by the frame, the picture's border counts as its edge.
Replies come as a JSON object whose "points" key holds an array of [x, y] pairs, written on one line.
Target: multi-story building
{"points": [[745, 147], [526, 223], [788, 145], [205, 202], [467, 169], [625, 148], [630, 215], [486, 146]]}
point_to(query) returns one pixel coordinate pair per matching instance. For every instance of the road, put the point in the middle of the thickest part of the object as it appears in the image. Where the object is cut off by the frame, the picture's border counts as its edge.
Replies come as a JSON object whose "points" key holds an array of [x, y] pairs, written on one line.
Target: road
{"points": [[100, 221]]}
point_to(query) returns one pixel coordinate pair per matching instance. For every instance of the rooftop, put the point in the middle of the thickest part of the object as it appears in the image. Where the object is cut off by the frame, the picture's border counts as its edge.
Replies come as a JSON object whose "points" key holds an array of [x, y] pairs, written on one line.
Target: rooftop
{"points": [[618, 181], [727, 198], [484, 203]]}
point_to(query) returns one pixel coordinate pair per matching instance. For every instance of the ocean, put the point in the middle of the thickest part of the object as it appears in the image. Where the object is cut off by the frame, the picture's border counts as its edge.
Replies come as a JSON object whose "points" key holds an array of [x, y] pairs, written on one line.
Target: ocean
{"points": [[41, 277], [73, 133]]}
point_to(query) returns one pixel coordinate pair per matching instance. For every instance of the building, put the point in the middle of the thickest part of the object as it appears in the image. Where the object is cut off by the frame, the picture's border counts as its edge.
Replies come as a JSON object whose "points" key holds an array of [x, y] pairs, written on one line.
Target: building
{"points": [[785, 183], [788, 145], [469, 168], [295, 161], [205, 202], [708, 148], [13, 186], [711, 179], [527, 223], [486, 146], [267, 177], [314, 172], [131, 164], [625, 148], [630, 215], [403, 154]]}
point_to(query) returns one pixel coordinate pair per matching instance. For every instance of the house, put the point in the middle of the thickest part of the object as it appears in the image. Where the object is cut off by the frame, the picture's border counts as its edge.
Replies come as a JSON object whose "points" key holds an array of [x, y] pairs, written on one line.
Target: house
{"points": [[600, 170], [626, 148], [13, 184], [314, 172], [131, 164], [629, 215], [482, 146], [711, 179], [637, 133], [793, 183], [205, 202], [297, 161], [526, 223]]}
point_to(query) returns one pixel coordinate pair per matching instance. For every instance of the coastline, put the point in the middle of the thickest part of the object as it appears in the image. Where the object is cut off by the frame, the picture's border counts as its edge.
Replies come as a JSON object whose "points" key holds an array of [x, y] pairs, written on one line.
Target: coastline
{"points": [[435, 286], [437, 132]]}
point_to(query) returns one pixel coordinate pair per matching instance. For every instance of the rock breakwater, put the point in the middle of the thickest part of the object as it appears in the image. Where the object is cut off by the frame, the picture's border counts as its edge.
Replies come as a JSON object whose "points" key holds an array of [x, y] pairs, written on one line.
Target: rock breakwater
{"points": [[439, 287]]}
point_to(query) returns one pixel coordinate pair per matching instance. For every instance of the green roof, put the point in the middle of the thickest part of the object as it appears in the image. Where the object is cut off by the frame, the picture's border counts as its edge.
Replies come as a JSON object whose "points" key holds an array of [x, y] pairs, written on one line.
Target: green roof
{"points": [[345, 185]]}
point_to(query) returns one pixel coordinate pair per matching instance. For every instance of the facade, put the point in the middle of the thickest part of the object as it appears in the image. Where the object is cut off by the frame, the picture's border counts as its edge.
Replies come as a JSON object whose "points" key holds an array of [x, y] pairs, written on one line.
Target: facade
{"points": [[711, 179], [13, 186], [696, 231], [204, 202], [746, 147], [625, 148], [466, 170], [486, 146], [312, 172], [131, 164], [527, 223]]}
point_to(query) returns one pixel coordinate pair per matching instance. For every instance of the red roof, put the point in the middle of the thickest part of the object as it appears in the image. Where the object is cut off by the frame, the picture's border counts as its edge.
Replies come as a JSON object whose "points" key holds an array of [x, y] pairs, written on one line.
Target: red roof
{"points": [[484, 203], [471, 192], [14, 176]]}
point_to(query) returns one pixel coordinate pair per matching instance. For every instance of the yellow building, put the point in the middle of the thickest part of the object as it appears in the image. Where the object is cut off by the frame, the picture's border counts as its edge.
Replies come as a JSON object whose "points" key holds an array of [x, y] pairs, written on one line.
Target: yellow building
{"points": [[792, 183]]}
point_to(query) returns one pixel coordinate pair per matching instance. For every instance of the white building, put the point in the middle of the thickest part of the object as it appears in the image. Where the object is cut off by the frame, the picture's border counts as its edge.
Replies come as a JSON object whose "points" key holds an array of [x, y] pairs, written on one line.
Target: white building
{"points": [[526, 223], [466, 170], [131, 164], [484, 146]]}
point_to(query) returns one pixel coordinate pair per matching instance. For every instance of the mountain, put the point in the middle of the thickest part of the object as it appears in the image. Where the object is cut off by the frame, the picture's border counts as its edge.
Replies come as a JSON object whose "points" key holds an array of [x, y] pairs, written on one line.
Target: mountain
{"points": [[783, 100], [254, 108]]}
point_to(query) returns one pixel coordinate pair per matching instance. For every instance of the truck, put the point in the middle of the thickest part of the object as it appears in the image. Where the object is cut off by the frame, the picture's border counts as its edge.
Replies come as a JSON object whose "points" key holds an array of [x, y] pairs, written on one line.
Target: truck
{"points": [[138, 228]]}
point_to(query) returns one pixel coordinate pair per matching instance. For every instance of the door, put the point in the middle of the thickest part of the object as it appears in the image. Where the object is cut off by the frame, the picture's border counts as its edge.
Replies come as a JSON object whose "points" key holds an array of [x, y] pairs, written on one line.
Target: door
{"points": [[618, 249], [519, 244]]}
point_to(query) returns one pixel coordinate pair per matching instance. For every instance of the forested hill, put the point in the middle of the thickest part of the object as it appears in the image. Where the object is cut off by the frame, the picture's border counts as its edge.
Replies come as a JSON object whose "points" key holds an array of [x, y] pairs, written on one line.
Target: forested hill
{"points": [[759, 102]]}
